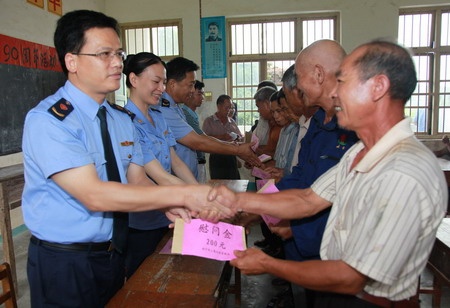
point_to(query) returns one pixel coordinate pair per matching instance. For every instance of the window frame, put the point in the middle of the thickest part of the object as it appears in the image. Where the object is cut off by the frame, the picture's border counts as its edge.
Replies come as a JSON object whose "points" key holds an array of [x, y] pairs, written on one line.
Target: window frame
{"points": [[263, 59], [435, 51]]}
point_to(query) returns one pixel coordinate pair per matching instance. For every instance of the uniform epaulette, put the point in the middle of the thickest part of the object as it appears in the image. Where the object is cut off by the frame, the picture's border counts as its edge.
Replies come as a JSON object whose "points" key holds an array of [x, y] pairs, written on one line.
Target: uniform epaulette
{"points": [[120, 108], [155, 109], [61, 109], [165, 102]]}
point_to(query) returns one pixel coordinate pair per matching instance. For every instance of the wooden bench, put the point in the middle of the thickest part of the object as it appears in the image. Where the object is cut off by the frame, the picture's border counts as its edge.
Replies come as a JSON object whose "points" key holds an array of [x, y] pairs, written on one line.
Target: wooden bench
{"points": [[11, 187]]}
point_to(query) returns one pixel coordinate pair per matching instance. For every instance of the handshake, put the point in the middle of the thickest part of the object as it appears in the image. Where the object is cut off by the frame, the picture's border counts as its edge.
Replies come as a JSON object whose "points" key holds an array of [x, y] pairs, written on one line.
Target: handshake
{"points": [[205, 202]]}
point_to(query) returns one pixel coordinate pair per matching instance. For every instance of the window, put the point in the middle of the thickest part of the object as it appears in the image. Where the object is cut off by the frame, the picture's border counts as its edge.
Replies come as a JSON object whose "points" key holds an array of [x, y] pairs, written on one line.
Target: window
{"points": [[162, 38], [426, 32], [263, 48]]}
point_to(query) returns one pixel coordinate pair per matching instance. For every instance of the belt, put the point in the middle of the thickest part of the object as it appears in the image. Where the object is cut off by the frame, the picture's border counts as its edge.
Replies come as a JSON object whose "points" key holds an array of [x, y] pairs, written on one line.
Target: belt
{"points": [[201, 161], [412, 302], [102, 246]]}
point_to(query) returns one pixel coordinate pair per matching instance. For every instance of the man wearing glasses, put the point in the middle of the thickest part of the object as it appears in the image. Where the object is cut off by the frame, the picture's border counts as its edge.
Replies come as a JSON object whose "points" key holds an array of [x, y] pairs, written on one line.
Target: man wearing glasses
{"points": [[84, 169]]}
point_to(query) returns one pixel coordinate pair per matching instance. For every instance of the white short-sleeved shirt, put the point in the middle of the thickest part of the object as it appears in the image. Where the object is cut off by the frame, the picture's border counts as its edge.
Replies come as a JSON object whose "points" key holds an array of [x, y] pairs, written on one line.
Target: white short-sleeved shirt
{"points": [[385, 212]]}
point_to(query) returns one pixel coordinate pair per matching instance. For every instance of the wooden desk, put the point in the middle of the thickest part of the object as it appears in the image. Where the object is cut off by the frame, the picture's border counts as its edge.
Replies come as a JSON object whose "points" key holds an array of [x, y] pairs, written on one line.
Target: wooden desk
{"points": [[165, 280], [439, 262], [11, 187]]}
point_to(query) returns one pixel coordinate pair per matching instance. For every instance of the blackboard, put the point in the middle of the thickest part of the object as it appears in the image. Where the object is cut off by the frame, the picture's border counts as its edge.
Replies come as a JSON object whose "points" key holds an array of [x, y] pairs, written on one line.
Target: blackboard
{"points": [[21, 88]]}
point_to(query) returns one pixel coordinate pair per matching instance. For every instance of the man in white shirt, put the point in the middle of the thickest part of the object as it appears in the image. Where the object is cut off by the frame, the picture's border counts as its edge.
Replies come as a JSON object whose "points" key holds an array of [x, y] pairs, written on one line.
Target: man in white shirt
{"points": [[388, 193]]}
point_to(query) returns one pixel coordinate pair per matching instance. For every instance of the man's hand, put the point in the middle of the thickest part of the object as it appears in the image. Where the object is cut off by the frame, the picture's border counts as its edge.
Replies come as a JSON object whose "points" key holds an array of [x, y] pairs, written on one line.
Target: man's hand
{"points": [[246, 153], [204, 203], [282, 229], [178, 212], [224, 196], [276, 173], [250, 261]]}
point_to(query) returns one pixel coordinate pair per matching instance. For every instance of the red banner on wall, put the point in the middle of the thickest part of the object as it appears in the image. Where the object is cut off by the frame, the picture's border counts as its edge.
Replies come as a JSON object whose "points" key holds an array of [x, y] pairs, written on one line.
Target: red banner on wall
{"points": [[28, 54]]}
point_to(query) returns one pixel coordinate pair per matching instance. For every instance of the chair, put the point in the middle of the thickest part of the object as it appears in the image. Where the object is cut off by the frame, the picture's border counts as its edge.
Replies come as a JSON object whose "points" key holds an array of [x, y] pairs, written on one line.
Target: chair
{"points": [[8, 294]]}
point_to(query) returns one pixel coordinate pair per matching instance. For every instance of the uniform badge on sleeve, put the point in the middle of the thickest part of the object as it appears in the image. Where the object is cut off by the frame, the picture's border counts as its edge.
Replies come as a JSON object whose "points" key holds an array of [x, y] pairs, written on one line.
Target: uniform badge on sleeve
{"points": [[61, 109]]}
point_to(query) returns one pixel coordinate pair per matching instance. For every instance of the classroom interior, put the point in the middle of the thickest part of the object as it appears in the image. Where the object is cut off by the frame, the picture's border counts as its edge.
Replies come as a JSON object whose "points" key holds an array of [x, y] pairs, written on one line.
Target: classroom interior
{"points": [[358, 21]]}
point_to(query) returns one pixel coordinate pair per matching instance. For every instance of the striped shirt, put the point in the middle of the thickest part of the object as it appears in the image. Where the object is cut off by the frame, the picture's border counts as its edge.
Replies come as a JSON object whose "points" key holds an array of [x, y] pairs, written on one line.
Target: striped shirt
{"points": [[386, 211], [284, 151]]}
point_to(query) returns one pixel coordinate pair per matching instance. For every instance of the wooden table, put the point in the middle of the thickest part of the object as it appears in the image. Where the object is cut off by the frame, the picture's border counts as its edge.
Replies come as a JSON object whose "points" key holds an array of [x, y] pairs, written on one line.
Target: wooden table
{"points": [[11, 187], [165, 280]]}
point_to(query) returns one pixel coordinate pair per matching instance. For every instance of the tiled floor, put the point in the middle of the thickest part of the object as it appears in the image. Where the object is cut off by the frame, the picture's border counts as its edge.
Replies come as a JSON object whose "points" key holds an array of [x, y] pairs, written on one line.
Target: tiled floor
{"points": [[257, 291]]}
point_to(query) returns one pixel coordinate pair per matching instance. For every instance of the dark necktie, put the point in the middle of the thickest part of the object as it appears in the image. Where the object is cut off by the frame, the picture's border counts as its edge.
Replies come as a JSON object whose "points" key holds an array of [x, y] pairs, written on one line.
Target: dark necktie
{"points": [[120, 222]]}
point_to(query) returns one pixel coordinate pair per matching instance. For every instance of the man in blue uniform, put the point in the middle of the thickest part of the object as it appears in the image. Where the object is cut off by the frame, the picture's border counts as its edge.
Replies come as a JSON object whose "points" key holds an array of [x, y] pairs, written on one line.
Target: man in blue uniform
{"points": [[181, 75], [68, 201], [321, 148]]}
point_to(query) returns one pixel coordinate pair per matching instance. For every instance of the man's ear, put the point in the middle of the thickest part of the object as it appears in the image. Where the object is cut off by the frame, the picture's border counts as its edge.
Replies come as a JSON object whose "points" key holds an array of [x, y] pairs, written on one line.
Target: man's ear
{"points": [[319, 73], [71, 62], [170, 83], [380, 87]]}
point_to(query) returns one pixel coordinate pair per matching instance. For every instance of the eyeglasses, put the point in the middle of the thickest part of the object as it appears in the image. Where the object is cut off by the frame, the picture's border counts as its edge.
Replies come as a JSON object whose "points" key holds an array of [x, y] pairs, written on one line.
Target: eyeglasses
{"points": [[105, 55]]}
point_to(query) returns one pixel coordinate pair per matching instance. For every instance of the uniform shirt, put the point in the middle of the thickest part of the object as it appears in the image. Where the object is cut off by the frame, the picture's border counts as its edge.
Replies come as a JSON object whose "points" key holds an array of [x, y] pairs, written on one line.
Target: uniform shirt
{"points": [[286, 147], [385, 212], [321, 148], [51, 145], [156, 142], [176, 120], [213, 126], [192, 120]]}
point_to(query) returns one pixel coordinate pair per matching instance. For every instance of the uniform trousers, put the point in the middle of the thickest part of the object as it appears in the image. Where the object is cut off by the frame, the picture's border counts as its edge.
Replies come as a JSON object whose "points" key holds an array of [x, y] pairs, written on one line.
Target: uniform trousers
{"points": [[141, 244], [64, 278]]}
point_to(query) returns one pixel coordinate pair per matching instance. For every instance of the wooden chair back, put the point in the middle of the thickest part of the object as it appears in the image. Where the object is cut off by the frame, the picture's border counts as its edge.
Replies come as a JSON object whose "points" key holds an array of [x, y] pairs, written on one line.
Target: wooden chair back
{"points": [[8, 294]]}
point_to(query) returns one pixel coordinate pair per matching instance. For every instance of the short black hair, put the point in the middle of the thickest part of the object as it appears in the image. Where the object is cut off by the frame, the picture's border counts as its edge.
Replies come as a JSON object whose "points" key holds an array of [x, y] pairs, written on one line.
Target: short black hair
{"points": [[267, 83], [138, 63], [222, 98], [213, 23], [199, 85], [392, 60], [178, 67], [71, 27]]}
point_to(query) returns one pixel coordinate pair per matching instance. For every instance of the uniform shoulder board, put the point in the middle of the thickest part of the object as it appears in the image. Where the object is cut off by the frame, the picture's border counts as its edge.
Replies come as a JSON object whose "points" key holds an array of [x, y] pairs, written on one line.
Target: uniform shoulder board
{"points": [[155, 109], [120, 108], [165, 102], [61, 109]]}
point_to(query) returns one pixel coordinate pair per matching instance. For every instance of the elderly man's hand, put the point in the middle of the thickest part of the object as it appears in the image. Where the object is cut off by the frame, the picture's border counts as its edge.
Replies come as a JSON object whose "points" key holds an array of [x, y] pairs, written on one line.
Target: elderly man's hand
{"points": [[276, 173], [250, 261], [246, 153], [282, 229], [211, 203]]}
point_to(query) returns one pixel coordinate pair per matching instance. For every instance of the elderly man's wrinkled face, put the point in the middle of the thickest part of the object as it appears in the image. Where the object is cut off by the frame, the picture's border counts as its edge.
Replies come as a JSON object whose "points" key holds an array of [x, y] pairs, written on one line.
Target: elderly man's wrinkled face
{"points": [[352, 97]]}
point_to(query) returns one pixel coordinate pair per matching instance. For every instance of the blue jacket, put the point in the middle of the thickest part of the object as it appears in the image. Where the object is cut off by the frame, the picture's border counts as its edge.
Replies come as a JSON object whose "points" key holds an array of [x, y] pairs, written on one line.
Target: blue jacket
{"points": [[321, 148]]}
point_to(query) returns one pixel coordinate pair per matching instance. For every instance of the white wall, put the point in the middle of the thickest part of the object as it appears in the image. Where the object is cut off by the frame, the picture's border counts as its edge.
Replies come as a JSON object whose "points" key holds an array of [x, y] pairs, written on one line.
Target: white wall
{"points": [[361, 21]]}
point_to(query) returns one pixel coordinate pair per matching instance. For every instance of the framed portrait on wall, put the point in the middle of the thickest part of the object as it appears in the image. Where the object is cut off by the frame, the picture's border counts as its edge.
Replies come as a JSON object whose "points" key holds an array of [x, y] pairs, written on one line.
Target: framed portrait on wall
{"points": [[213, 47]]}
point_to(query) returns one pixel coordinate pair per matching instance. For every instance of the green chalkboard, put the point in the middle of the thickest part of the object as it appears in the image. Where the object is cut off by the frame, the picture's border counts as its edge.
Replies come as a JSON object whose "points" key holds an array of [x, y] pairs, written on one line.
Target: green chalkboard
{"points": [[21, 89]]}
